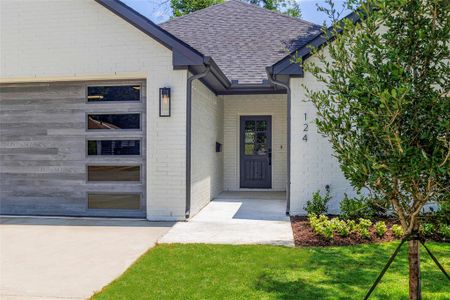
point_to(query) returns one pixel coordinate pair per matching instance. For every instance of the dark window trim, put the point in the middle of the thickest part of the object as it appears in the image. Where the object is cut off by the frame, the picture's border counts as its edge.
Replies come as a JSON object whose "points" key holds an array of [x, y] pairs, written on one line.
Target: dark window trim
{"points": [[109, 138], [115, 164], [141, 121], [142, 204], [120, 83]]}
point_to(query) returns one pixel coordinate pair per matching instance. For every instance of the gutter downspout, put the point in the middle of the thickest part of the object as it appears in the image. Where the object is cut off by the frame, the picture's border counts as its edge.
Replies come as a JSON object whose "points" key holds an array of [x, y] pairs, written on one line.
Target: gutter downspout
{"points": [[189, 134], [288, 89]]}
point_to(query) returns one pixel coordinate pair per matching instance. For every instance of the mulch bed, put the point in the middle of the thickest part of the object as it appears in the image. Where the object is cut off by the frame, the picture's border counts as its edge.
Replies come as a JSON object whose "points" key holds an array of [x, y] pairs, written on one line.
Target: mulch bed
{"points": [[305, 236]]}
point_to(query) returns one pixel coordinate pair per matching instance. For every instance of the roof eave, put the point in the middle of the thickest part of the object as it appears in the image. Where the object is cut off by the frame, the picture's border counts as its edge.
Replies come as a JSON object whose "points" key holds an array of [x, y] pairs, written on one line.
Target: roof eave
{"points": [[287, 65]]}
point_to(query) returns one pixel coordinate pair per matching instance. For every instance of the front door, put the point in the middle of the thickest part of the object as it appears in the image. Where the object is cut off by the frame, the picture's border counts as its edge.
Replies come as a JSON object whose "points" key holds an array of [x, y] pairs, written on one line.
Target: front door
{"points": [[256, 152]]}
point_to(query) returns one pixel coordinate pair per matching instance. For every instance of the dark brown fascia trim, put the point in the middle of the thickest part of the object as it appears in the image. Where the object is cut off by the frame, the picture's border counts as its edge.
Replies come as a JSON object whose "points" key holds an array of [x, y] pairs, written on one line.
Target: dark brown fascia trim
{"points": [[183, 54], [252, 91], [285, 65], [217, 72]]}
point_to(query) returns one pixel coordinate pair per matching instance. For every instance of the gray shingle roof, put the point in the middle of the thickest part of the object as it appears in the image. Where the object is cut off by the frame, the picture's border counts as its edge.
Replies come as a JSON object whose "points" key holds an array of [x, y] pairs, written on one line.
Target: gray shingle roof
{"points": [[242, 38]]}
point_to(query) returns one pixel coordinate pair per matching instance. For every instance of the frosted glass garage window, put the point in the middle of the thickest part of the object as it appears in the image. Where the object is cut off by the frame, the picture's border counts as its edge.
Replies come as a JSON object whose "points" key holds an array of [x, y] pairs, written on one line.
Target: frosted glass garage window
{"points": [[114, 121], [114, 93], [114, 173], [114, 147], [114, 201]]}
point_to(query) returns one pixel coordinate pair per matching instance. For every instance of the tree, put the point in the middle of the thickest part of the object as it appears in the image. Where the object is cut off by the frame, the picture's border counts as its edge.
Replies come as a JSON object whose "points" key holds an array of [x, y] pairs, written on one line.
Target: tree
{"points": [[184, 7], [288, 7], [386, 108]]}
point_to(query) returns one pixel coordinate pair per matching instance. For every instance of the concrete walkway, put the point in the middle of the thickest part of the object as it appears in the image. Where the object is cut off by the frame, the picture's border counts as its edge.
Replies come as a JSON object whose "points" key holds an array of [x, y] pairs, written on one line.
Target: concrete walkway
{"points": [[237, 218], [54, 258]]}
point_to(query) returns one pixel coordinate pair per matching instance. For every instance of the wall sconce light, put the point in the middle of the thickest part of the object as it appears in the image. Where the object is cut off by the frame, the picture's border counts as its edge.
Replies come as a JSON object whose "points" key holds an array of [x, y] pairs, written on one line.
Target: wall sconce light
{"points": [[164, 102]]}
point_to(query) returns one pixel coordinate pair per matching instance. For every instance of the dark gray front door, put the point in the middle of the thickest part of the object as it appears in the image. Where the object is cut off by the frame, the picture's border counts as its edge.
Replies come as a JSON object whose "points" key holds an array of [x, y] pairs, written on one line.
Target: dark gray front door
{"points": [[256, 152]]}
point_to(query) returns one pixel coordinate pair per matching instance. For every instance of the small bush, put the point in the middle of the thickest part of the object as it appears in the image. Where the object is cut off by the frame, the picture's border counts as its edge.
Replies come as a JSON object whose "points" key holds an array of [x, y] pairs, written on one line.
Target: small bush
{"points": [[327, 231], [444, 231], [352, 226], [342, 228], [378, 207], [427, 229], [365, 223], [363, 228], [354, 208], [443, 213], [335, 223], [397, 230], [321, 225], [318, 205], [380, 228]]}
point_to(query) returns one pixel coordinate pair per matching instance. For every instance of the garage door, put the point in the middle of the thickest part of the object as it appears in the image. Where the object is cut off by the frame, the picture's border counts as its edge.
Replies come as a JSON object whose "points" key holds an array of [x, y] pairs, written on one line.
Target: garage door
{"points": [[74, 149]]}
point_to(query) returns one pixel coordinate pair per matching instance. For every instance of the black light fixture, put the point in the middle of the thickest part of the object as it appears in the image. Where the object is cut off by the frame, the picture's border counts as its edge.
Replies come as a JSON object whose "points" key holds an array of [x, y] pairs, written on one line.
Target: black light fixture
{"points": [[164, 102]]}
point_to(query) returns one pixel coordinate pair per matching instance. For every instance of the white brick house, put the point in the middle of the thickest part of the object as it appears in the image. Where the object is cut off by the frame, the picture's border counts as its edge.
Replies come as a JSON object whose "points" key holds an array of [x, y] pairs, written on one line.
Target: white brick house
{"points": [[237, 110]]}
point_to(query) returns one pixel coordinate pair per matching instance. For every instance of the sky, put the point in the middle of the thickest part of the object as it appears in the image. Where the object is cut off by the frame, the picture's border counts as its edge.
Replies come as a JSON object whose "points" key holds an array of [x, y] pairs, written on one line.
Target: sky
{"points": [[159, 10]]}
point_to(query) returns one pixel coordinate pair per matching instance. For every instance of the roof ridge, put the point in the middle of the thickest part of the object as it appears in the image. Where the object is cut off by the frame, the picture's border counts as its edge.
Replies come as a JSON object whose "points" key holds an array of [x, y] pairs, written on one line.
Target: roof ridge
{"points": [[194, 12], [275, 12], [244, 3]]}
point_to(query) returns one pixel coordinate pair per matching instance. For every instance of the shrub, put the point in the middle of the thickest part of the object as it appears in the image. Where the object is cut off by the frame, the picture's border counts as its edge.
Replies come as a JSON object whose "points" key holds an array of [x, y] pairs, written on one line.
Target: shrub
{"points": [[444, 231], [365, 223], [427, 229], [364, 232], [322, 225], [443, 213], [354, 208], [363, 228], [318, 205], [352, 226], [313, 221], [327, 231], [397, 230], [335, 223], [380, 228], [342, 228], [378, 207]]}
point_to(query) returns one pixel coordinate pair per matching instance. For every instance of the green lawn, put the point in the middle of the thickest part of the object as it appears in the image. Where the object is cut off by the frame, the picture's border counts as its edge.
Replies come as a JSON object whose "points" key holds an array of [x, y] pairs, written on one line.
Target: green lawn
{"points": [[198, 271]]}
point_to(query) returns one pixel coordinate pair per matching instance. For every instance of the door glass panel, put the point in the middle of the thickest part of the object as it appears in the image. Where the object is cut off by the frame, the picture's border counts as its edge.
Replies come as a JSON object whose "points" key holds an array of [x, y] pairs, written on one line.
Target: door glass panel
{"points": [[261, 149], [261, 137], [261, 125], [249, 149], [249, 137], [249, 126]]}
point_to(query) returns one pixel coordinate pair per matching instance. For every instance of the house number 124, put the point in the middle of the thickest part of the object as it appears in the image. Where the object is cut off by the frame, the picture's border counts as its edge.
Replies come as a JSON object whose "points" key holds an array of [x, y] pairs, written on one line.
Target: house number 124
{"points": [[305, 130]]}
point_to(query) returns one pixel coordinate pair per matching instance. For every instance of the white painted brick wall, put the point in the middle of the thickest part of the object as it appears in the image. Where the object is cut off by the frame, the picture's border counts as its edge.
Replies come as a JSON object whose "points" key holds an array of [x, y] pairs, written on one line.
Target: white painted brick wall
{"points": [[238, 105], [207, 129], [49, 40], [313, 165]]}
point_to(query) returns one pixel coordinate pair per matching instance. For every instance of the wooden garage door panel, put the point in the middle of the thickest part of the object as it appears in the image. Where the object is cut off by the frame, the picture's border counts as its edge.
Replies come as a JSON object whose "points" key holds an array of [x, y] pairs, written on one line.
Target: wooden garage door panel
{"points": [[43, 150]]}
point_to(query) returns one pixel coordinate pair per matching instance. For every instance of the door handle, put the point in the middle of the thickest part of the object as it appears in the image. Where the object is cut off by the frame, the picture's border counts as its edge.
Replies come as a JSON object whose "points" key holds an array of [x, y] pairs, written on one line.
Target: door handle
{"points": [[270, 157]]}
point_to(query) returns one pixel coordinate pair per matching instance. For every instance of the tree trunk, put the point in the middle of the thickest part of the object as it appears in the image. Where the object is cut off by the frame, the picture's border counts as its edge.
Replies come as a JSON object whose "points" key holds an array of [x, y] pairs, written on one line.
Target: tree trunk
{"points": [[414, 271]]}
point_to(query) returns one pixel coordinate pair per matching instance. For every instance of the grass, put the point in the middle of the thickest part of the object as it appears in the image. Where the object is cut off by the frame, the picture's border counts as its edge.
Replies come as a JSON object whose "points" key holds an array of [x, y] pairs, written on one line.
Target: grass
{"points": [[198, 271]]}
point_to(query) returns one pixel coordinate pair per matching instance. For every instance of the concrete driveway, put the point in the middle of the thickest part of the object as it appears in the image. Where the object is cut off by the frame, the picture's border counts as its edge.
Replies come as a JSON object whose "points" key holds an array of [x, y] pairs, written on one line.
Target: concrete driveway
{"points": [[54, 258]]}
